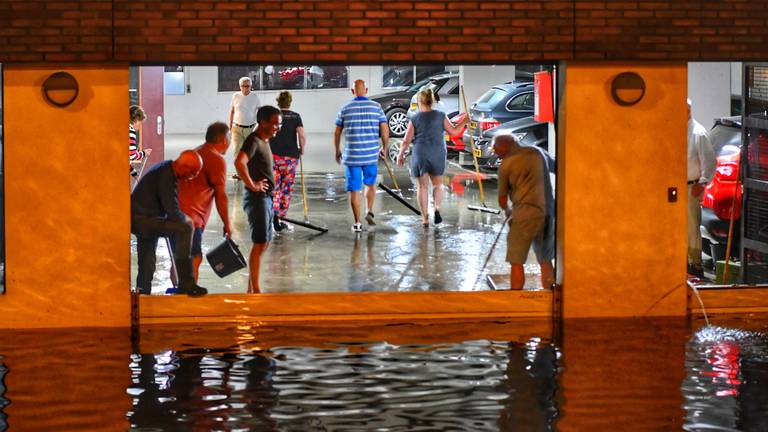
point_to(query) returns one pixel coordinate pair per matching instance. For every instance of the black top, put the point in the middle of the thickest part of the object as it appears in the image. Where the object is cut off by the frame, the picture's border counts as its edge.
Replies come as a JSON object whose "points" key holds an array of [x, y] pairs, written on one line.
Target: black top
{"points": [[157, 195], [285, 142]]}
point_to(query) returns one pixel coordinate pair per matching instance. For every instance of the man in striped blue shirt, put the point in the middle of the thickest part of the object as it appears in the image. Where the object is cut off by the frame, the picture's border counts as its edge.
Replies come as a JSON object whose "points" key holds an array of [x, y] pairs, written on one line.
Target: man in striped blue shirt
{"points": [[364, 124]]}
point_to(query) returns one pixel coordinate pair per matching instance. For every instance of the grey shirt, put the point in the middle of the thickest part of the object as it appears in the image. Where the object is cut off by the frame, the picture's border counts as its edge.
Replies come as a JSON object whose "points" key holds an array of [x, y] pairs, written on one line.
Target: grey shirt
{"points": [[259, 160]]}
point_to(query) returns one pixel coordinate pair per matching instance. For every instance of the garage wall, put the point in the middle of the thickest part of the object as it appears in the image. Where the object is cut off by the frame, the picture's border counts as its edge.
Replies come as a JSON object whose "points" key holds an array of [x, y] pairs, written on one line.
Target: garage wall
{"points": [[622, 244], [68, 254], [204, 104], [709, 87]]}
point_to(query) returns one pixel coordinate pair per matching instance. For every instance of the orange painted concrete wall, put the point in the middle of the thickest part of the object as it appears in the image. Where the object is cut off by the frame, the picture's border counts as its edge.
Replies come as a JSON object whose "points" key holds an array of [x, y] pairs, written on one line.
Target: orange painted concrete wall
{"points": [[67, 205], [622, 246]]}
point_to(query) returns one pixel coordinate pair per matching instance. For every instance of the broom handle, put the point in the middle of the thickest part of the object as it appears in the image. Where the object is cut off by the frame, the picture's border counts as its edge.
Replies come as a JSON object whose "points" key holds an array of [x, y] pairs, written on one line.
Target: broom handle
{"points": [[391, 174], [472, 147], [303, 191], [730, 235]]}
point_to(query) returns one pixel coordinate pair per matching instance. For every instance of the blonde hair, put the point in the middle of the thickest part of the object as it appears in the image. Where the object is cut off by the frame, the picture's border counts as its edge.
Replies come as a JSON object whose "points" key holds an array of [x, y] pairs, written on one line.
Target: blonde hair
{"points": [[426, 97], [284, 99], [136, 113]]}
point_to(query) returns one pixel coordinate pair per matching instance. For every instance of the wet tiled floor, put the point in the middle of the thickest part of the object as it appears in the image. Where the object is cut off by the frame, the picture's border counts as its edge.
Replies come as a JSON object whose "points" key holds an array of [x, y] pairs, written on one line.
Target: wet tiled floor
{"points": [[397, 254]]}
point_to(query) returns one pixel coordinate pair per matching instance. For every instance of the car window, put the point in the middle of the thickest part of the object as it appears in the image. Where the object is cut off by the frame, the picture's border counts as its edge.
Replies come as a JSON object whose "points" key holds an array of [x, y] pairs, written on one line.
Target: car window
{"points": [[454, 91], [491, 97], [721, 136], [521, 102], [418, 85]]}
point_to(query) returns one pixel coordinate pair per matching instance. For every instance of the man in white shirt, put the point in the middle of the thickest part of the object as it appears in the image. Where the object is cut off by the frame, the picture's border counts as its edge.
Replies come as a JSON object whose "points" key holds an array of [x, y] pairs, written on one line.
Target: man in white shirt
{"points": [[242, 113], [701, 169]]}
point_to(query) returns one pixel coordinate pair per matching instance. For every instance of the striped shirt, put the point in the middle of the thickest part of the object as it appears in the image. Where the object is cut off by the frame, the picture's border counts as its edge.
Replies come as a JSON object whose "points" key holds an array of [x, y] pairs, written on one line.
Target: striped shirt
{"points": [[360, 119]]}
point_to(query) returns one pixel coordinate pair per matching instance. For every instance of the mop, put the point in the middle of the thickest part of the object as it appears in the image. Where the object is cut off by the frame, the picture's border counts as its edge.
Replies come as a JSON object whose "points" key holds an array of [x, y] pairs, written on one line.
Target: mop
{"points": [[484, 208], [488, 257], [397, 196], [305, 223]]}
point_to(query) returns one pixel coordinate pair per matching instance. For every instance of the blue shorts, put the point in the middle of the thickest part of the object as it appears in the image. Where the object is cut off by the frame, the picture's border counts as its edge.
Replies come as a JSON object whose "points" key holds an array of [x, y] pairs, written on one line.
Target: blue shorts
{"points": [[359, 175], [259, 209]]}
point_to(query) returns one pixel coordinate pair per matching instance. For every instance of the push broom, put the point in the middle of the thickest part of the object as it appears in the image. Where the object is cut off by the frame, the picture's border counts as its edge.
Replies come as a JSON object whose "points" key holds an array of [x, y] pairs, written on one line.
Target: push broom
{"points": [[483, 208], [305, 223], [392, 193]]}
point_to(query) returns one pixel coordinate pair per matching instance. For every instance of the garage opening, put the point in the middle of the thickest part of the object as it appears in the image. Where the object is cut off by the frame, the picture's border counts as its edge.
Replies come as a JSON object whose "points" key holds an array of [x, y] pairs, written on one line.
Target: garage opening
{"points": [[465, 252]]}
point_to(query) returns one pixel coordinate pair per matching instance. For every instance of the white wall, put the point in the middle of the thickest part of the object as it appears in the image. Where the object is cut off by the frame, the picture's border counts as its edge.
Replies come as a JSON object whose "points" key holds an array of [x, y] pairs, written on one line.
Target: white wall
{"points": [[478, 79], [193, 112], [736, 78], [709, 88]]}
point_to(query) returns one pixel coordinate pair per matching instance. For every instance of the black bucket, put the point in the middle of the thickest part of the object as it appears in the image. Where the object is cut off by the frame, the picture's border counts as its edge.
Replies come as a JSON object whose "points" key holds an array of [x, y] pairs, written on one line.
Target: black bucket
{"points": [[225, 258]]}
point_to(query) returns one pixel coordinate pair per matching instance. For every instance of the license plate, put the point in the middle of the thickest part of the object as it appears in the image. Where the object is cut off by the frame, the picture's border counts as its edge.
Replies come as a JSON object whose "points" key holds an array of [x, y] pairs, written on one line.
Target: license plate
{"points": [[473, 125], [478, 153], [413, 107]]}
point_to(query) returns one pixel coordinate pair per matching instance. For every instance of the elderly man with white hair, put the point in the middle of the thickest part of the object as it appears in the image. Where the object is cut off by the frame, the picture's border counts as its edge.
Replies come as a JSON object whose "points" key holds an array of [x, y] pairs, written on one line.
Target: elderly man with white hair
{"points": [[701, 169], [242, 113]]}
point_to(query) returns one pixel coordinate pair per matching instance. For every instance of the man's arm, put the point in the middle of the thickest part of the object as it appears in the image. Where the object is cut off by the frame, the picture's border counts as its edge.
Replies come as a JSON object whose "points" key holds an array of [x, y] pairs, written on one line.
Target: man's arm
{"points": [[220, 196], [169, 199], [337, 143], [503, 181], [384, 133], [707, 159], [231, 116], [241, 165]]}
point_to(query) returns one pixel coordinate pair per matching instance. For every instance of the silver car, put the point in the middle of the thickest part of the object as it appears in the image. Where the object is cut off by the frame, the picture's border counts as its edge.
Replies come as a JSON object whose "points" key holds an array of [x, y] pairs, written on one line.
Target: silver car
{"points": [[448, 95]]}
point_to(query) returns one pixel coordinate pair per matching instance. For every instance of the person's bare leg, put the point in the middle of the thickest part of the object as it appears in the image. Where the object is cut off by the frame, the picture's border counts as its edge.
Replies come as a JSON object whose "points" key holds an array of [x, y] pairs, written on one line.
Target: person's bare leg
{"points": [[354, 202], [421, 193], [254, 262], [196, 260], [370, 196], [516, 277], [547, 275], [437, 190]]}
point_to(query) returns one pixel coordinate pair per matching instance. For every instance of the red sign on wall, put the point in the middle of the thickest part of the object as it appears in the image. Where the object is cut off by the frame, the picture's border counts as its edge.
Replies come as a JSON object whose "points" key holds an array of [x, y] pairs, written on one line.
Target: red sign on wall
{"points": [[542, 97]]}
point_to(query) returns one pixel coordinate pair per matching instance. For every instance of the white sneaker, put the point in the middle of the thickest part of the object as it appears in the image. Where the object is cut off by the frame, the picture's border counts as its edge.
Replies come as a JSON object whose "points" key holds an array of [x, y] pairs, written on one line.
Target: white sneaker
{"points": [[357, 227]]}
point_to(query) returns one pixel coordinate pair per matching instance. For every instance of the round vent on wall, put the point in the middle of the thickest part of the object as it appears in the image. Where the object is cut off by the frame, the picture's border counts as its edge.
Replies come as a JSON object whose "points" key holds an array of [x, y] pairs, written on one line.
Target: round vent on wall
{"points": [[60, 89], [627, 88]]}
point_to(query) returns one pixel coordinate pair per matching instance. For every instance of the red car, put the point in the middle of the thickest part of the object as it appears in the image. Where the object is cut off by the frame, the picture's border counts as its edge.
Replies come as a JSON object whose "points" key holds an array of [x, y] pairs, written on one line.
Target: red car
{"points": [[455, 143], [719, 195]]}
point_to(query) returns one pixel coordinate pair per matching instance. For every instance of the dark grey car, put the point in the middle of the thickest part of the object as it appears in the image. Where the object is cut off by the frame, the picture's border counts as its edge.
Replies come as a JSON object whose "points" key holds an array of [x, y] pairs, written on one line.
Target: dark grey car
{"points": [[396, 103], [526, 130]]}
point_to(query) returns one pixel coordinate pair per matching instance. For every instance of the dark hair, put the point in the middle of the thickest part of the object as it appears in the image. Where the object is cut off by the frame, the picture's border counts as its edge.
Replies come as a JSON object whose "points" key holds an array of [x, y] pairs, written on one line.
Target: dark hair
{"points": [[216, 131], [136, 113], [265, 113]]}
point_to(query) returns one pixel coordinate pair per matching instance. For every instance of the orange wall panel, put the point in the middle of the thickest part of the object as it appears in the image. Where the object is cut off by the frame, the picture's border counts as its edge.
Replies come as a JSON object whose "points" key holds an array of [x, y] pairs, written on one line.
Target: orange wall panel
{"points": [[622, 244], [67, 201]]}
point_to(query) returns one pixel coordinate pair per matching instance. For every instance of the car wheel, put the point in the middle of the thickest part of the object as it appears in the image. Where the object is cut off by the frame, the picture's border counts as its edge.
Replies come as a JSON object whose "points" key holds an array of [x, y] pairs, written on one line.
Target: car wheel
{"points": [[393, 150], [397, 120]]}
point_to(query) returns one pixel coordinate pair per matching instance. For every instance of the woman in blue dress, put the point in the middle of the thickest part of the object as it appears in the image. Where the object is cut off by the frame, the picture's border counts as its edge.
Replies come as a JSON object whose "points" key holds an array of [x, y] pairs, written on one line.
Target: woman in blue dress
{"points": [[426, 132]]}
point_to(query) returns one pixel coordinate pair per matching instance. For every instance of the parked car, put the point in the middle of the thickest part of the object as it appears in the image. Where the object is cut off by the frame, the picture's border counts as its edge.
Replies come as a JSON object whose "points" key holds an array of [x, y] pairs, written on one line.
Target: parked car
{"points": [[396, 103], [500, 104], [716, 205], [447, 95], [527, 131], [454, 144]]}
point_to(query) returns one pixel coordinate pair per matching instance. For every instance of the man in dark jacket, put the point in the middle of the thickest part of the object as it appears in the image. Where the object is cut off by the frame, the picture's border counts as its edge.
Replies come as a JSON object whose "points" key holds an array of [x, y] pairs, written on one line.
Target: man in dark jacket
{"points": [[155, 213]]}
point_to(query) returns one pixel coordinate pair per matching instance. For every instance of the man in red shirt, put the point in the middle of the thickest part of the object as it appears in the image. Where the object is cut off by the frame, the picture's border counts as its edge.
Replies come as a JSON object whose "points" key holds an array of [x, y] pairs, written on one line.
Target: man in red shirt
{"points": [[196, 196]]}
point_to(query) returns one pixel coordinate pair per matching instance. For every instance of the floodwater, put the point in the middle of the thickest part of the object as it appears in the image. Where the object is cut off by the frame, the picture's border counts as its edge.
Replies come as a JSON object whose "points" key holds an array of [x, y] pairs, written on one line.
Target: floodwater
{"points": [[588, 375], [397, 254]]}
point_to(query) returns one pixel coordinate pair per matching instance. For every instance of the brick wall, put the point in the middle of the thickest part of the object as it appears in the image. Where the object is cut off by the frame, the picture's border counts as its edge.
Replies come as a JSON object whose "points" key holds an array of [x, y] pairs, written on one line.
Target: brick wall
{"points": [[376, 31]]}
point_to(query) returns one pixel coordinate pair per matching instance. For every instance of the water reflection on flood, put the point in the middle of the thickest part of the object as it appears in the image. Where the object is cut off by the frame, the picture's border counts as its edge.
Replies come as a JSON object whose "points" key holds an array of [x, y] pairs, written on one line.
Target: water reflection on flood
{"points": [[727, 384], [470, 386]]}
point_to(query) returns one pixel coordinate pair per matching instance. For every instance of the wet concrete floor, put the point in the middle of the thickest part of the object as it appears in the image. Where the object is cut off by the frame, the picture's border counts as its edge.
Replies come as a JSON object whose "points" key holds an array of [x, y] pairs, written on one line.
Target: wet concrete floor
{"points": [[397, 254]]}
